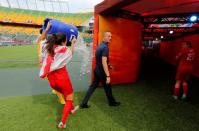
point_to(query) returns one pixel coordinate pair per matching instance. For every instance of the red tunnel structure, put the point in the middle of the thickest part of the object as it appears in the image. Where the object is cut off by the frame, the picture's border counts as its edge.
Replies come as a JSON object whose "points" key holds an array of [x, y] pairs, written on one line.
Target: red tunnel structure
{"points": [[133, 21]]}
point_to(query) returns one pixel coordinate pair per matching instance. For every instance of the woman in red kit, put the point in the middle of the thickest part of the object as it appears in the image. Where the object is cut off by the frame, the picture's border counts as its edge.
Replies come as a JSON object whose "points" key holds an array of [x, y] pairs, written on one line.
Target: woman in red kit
{"points": [[185, 67], [54, 67]]}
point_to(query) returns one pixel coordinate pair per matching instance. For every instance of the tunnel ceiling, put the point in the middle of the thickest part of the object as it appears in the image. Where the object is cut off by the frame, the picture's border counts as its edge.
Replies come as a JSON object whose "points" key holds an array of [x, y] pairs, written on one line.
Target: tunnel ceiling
{"points": [[159, 17]]}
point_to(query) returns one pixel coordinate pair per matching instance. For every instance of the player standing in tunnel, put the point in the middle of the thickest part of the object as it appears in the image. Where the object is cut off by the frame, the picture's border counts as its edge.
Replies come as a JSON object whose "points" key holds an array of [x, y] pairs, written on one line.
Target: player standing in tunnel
{"points": [[185, 60]]}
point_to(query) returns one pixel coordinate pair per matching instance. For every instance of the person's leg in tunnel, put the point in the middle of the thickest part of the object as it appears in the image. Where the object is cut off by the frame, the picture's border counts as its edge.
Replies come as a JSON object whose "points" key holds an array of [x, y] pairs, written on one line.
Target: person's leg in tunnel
{"points": [[185, 89], [176, 89]]}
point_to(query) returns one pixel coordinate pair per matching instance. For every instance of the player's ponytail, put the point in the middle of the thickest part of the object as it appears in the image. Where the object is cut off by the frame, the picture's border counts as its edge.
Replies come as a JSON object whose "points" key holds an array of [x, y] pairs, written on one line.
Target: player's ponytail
{"points": [[55, 39]]}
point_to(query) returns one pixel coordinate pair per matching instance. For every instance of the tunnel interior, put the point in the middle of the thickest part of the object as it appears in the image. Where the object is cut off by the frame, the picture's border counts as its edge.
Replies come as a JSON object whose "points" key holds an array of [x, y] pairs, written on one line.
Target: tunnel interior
{"points": [[148, 37]]}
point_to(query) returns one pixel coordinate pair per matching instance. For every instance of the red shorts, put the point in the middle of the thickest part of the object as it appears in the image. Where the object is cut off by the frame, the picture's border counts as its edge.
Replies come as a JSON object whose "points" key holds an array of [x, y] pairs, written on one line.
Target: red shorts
{"points": [[60, 81], [183, 73]]}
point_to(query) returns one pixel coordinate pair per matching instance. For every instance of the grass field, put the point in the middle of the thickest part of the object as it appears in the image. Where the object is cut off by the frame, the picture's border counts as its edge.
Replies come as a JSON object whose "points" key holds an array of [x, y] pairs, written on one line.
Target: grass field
{"points": [[18, 56], [143, 108], [27, 56]]}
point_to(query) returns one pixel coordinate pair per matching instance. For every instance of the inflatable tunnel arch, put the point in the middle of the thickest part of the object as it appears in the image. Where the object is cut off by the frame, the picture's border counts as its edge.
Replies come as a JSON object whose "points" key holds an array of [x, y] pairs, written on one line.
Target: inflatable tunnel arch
{"points": [[119, 17]]}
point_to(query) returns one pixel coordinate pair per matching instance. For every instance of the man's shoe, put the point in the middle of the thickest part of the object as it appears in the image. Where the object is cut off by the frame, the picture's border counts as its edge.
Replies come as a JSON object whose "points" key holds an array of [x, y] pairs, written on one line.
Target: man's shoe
{"points": [[114, 104], [84, 106]]}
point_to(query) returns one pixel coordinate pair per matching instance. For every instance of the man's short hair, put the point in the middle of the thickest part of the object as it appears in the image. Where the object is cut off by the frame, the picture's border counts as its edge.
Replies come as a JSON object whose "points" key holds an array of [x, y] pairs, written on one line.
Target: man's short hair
{"points": [[106, 32]]}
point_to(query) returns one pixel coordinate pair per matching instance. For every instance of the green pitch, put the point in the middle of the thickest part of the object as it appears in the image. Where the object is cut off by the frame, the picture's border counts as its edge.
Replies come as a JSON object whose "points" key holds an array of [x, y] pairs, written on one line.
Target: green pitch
{"points": [[143, 108], [18, 56]]}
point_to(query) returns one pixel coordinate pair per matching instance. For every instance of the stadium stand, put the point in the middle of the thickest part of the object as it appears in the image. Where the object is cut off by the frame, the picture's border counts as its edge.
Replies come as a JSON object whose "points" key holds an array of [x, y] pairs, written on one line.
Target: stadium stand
{"points": [[37, 17], [20, 26]]}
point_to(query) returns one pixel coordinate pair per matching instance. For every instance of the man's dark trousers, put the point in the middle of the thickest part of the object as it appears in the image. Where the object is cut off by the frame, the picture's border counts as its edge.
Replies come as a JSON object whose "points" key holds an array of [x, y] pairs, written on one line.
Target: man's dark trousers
{"points": [[99, 76]]}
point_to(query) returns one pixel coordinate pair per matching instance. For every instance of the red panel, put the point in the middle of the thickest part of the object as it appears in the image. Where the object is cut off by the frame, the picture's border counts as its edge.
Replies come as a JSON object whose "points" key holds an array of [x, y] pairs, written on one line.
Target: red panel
{"points": [[106, 4], [147, 7], [168, 51], [153, 7], [125, 48], [187, 8]]}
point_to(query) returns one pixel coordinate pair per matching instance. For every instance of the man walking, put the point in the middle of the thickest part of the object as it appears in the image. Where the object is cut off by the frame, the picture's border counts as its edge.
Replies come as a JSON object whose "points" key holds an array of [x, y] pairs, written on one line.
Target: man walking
{"points": [[101, 73]]}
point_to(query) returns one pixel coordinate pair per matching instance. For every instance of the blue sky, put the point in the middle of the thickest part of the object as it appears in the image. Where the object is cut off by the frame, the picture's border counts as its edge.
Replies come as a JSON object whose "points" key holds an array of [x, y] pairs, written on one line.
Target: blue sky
{"points": [[47, 5]]}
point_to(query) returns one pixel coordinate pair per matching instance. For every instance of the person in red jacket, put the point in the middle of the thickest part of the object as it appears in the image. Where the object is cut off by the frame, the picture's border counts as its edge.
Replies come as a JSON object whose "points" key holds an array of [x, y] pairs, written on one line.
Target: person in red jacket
{"points": [[54, 68], [185, 67], [41, 41]]}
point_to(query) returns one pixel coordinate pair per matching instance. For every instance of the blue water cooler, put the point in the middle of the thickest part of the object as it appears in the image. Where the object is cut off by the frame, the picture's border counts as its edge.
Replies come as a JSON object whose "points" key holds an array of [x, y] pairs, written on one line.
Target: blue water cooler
{"points": [[70, 31]]}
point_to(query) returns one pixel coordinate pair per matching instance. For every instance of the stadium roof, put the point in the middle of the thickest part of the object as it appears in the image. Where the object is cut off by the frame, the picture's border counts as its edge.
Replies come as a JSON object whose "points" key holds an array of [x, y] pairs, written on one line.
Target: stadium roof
{"points": [[61, 6]]}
